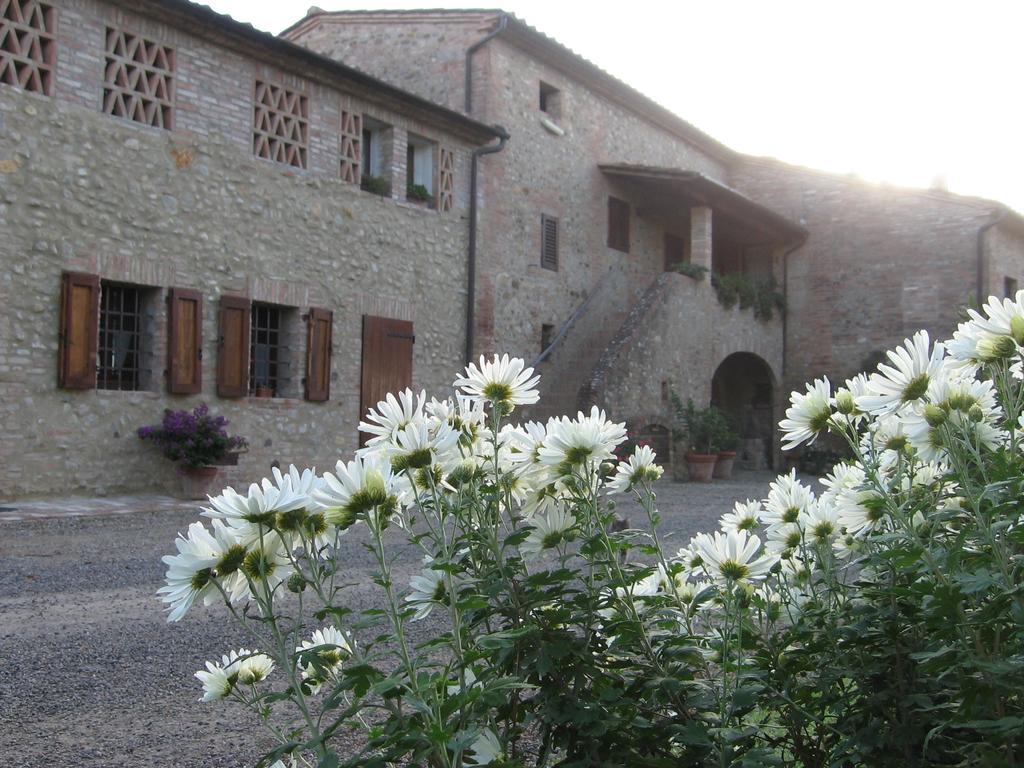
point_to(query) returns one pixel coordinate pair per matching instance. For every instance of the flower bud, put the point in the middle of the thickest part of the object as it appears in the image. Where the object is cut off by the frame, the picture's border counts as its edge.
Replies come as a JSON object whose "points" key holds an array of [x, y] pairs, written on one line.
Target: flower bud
{"points": [[296, 583], [976, 414], [934, 415]]}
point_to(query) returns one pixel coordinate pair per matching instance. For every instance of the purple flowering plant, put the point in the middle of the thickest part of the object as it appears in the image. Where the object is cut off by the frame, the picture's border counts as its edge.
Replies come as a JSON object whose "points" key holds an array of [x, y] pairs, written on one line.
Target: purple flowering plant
{"points": [[193, 438]]}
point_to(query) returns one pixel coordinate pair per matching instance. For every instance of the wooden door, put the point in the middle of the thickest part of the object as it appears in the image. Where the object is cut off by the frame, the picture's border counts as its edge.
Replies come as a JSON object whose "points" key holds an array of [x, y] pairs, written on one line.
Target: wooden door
{"points": [[387, 361]]}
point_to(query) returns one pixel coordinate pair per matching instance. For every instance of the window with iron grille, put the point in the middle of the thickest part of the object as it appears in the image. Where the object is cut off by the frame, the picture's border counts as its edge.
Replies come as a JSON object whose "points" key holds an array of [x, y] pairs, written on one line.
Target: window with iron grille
{"points": [[549, 242], [265, 350], [138, 82], [121, 337], [28, 45], [280, 125], [618, 224]]}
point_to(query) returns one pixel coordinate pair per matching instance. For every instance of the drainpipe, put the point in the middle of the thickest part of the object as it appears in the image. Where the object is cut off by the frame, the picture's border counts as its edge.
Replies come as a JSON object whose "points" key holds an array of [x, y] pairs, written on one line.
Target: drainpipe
{"points": [[503, 138], [502, 23], [1001, 214]]}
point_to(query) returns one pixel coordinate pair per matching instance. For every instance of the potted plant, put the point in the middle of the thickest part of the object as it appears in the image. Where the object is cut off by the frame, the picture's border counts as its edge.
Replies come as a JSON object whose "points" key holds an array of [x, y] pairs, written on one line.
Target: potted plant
{"points": [[377, 185], [417, 193], [727, 440], [701, 427], [197, 442]]}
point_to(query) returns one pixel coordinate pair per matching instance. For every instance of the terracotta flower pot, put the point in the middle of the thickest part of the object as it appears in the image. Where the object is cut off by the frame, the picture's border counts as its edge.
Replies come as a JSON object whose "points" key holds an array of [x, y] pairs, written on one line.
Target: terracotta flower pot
{"points": [[723, 467], [264, 392], [701, 466], [196, 482]]}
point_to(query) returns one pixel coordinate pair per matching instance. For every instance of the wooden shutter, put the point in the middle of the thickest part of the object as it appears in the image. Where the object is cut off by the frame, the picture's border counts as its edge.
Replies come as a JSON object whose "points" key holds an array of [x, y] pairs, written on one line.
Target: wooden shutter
{"points": [[549, 242], [233, 347], [618, 224], [79, 321], [387, 361], [184, 341], [675, 251], [318, 355]]}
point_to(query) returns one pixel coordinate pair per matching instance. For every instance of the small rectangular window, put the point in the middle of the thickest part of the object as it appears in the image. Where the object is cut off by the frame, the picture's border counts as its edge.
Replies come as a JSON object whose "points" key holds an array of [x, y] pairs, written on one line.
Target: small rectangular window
{"points": [[1010, 287], [550, 101], [122, 337], [549, 242], [618, 224], [420, 169], [265, 354], [376, 149], [547, 335]]}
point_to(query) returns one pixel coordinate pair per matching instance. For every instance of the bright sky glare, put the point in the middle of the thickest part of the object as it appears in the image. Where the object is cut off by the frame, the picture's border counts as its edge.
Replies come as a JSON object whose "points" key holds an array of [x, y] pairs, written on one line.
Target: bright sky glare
{"points": [[904, 91]]}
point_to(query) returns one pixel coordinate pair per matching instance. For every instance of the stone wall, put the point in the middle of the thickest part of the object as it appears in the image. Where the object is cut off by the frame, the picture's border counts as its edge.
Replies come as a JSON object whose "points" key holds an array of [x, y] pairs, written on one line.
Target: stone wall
{"points": [[879, 264], [1004, 257], [194, 208]]}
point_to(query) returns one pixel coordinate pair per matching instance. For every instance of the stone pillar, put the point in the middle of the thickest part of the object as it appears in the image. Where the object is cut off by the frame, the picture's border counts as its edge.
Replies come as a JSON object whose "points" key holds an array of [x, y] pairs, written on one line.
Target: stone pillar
{"points": [[700, 236]]}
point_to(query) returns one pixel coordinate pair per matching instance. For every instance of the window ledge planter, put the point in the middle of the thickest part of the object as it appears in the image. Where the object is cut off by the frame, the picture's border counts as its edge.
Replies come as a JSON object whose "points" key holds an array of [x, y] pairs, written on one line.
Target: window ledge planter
{"points": [[196, 482]]}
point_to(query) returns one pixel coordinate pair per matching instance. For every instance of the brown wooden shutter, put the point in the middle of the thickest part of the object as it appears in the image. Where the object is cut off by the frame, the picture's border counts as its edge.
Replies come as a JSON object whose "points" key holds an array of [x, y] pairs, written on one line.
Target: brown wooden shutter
{"points": [[233, 347], [318, 355], [387, 361], [79, 321], [618, 224], [184, 341], [549, 242]]}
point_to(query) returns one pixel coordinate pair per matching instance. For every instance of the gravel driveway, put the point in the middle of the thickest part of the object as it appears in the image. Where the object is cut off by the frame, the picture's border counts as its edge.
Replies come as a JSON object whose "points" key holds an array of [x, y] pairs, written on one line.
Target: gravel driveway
{"points": [[91, 675]]}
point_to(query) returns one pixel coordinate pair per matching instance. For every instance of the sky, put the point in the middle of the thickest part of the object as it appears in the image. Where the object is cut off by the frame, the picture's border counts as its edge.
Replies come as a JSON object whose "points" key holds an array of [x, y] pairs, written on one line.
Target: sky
{"points": [[900, 92]]}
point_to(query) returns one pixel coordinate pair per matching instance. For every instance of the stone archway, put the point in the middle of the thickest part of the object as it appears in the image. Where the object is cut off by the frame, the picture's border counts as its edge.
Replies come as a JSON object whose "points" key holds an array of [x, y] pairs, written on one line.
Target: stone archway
{"points": [[744, 387]]}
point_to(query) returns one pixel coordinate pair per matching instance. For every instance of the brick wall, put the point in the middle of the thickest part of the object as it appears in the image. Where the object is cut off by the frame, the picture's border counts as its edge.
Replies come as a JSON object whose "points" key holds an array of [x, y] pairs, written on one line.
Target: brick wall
{"points": [[80, 190]]}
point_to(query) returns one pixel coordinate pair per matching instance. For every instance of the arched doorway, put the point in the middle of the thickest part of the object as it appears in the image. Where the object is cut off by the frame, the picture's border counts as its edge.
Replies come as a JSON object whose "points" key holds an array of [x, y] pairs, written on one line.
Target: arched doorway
{"points": [[743, 386]]}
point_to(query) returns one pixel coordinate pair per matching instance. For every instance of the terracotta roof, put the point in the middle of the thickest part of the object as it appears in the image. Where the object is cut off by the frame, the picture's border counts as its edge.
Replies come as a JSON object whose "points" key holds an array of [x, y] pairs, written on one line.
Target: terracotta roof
{"points": [[546, 48], [697, 188], [210, 23]]}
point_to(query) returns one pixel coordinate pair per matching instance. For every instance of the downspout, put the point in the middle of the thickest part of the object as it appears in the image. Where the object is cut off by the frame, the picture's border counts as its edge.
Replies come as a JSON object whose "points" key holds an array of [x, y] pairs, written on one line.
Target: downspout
{"points": [[980, 294], [502, 23], [503, 138]]}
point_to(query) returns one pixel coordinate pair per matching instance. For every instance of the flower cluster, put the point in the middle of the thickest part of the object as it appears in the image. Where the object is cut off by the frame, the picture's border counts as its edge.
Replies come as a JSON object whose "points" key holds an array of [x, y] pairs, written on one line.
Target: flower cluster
{"points": [[193, 438]]}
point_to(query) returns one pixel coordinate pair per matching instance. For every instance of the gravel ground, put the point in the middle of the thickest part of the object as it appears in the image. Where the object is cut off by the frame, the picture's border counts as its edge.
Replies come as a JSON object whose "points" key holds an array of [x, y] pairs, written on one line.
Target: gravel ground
{"points": [[91, 675]]}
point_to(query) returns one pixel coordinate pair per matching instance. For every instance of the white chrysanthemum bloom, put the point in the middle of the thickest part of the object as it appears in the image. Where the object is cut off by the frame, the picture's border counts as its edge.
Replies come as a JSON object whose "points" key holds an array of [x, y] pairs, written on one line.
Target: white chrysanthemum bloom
{"points": [[417, 446], [638, 470], [257, 511], [787, 499], [905, 381], [552, 527], [201, 558], [266, 564], [504, 382], [821, 524], [242, 667], [745, 516], [964, 406], [843, 475], [427, 590], [689, 557], [886, 439], [486, 749], [463, 414], [732, 558], [301, 483], [996, 334], [675, 583], [808, 414], [583, 442], [845, 399], [362, 489], [860, 510], [332, 648], [783, 538], [392, 414]]}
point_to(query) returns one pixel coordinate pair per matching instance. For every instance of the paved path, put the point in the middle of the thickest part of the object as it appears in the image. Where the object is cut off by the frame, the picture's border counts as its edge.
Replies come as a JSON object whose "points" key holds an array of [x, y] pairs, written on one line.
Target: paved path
{"points": [[92, 676], [18, 510]]}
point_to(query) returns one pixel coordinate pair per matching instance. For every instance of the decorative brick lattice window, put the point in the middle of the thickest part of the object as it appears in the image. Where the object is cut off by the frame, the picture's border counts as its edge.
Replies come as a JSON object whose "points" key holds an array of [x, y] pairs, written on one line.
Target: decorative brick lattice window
{"points": [[280, 125], [28, 46], [446, 180], [138, 83], [351, 146]]}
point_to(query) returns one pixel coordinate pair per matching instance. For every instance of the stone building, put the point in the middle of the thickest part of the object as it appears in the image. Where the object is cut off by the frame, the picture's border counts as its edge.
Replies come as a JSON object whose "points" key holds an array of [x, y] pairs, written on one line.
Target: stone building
{"points": [[601, 192], [286, 228], [182, 221]]}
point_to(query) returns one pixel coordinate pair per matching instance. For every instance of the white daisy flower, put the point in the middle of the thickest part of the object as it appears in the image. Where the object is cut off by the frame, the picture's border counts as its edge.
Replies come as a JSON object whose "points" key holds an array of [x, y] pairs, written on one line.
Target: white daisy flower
{"points": [[201, 558], [860, 510], [332, 647], [845, 398], [257, 511], [964, 406], [638, 470], [788, 498], [745, 516], [808, 414], [217, 680], [997, 334], [583, 442], [486, 749], [821, 524], [428, 590], [242, 667], [551, 528], [905, 381], [504, 382], [266, 565], [362, 489], [416, 445], [731, 558], [392, 414]]}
